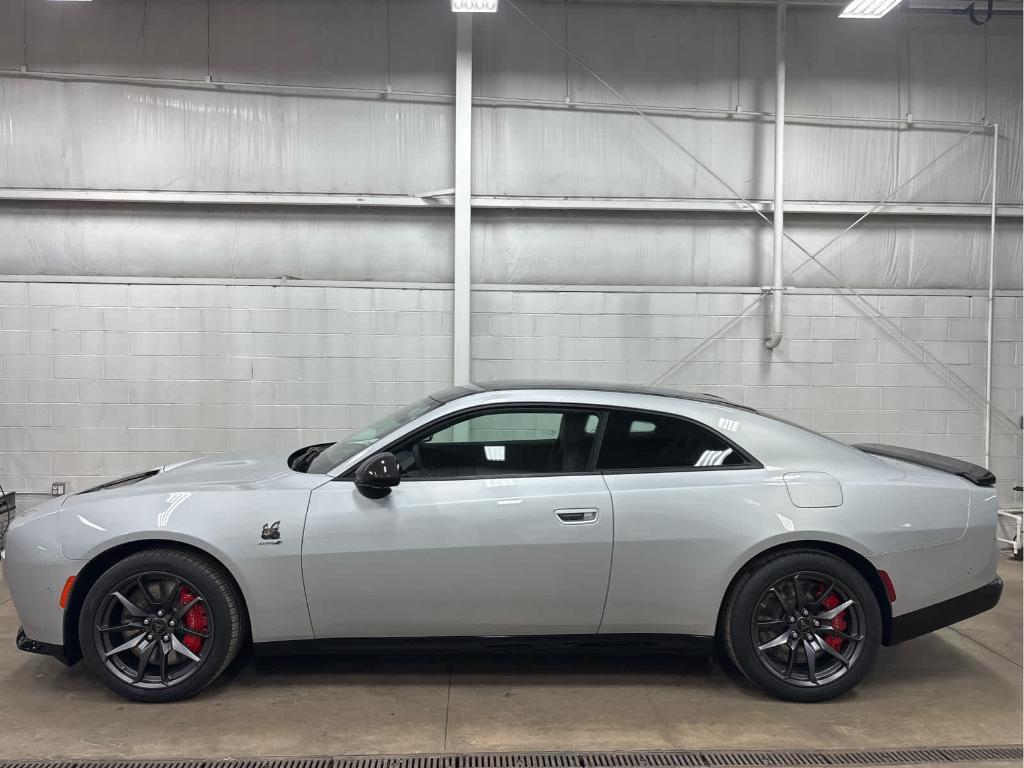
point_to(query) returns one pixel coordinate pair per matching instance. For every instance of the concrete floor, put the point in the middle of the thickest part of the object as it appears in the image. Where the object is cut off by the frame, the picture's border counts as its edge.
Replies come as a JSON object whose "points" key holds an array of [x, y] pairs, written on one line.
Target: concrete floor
{"points": [[959, 686]]}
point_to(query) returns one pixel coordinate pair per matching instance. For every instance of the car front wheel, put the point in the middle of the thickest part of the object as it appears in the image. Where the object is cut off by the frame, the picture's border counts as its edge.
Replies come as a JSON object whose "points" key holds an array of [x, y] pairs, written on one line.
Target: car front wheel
{"points": [[160, 625], [802, 625]]}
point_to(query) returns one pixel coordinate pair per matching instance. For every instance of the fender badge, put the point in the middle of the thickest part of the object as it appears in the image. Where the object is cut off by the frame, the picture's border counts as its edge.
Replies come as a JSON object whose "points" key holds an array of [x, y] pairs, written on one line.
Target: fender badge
{"points": [[271, 533]]}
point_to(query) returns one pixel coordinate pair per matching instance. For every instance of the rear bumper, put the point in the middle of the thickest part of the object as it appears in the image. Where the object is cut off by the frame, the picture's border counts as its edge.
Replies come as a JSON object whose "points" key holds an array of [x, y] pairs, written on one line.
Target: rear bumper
{"points": [[920, 622], [47, 649]]}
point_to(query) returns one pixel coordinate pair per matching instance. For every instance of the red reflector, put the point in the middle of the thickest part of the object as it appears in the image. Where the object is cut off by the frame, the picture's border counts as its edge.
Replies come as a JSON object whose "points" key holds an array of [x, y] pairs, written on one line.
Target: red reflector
{"points": [[66, 592], [890, 590]]}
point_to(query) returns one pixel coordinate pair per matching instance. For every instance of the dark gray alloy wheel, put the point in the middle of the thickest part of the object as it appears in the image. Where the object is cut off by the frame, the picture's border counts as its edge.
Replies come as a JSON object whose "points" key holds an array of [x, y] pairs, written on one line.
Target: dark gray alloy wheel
{"points": [[802, 625], [808, 628], [160, 625], [152, 629]]}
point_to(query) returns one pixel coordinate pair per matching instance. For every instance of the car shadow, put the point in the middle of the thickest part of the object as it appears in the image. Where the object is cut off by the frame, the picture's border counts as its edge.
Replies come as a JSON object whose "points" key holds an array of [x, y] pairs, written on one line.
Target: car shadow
{"points": [[402, 668], [924, 659]]}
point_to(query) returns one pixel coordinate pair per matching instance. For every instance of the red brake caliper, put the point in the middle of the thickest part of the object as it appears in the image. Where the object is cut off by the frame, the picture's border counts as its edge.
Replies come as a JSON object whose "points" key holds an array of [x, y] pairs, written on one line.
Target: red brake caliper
{"points": [[195, 619], [839, 622]]}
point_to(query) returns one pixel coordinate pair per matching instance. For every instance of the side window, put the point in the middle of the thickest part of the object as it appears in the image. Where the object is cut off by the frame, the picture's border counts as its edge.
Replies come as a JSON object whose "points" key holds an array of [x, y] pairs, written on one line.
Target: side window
{"points": [[505, 442], [649, 441]]}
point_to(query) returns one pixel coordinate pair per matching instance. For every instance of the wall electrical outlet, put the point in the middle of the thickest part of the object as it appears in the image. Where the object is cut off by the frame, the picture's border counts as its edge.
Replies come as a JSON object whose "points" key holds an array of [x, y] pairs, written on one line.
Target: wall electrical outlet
{"points": [[58, 489]]}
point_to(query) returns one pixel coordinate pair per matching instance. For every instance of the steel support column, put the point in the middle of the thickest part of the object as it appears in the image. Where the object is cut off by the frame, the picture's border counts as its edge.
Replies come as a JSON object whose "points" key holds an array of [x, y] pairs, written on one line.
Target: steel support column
{"points": [[463, 209]]}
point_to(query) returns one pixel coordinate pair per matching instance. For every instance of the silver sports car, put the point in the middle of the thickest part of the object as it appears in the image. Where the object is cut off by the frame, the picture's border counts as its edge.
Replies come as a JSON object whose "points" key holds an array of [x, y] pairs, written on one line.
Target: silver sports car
{"points": [[516, 514]]}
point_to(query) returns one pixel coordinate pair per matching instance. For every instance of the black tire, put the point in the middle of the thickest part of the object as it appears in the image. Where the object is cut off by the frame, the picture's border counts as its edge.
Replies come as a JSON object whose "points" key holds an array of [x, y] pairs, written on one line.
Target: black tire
{"points": [[760, 611], [167, 674]]}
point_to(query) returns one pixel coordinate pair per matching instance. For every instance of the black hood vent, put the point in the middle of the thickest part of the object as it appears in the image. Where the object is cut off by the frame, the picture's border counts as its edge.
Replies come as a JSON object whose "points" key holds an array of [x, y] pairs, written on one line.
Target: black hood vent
{"points": [[121, 482]]}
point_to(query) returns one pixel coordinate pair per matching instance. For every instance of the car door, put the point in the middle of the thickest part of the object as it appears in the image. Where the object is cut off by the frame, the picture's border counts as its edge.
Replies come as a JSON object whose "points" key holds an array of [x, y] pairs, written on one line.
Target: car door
{"points": [[500, 526], [683, 493]]}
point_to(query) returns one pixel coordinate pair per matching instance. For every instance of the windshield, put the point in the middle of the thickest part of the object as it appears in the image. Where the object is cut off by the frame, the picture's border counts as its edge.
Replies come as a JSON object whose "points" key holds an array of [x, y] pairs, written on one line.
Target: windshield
{"points": [[334, 454]]}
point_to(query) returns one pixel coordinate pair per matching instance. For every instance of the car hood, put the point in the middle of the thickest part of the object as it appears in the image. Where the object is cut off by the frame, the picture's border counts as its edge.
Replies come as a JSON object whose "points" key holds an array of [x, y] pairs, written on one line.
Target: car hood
{"points": [[239, 468], [223, 471]]}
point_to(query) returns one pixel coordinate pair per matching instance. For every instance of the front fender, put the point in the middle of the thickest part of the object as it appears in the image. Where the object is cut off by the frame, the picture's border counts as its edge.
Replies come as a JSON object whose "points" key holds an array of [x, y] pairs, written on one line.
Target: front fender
{"points": [[225, 524]]}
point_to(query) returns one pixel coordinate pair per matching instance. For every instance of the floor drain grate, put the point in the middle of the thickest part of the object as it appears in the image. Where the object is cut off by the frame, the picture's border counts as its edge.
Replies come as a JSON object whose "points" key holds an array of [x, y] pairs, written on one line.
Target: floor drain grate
{"points": [[694, 758], [674, 759]]}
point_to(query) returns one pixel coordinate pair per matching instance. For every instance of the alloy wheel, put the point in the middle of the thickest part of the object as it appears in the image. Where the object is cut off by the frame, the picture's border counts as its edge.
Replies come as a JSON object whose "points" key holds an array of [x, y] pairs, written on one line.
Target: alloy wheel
{"points": [[152, 629], [808, 629]]}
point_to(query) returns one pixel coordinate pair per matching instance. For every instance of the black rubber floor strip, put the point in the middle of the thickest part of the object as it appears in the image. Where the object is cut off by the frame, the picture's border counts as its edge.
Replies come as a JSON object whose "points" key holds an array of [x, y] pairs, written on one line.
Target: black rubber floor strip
{"points": [[668, 759]]}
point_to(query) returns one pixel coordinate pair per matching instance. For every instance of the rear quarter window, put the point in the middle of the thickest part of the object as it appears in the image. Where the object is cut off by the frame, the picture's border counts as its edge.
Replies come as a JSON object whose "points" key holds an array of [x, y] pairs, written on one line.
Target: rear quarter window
{"points": [[644, 441]]}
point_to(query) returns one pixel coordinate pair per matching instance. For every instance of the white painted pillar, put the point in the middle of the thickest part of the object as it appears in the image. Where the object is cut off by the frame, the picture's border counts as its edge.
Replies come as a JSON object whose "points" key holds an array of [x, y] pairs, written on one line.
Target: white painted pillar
{"points": [[463, 182]]}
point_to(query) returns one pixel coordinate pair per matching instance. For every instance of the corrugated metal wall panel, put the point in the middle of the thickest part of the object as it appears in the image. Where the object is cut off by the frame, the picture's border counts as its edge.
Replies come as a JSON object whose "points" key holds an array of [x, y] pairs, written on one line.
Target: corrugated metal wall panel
{"points": [[841, 69], [421, 46], [509, 247], [945, 81], [717, 250], [681, 55], [305, 42], [935, 67], [118, 37], [226, 242], [1004, 86], [12, 34], [513, 60], [115, 136]]}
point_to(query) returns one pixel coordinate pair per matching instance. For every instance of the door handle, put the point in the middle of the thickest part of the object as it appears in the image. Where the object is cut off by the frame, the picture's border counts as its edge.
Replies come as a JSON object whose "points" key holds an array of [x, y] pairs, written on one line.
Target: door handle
{"points": [[576, 516]]}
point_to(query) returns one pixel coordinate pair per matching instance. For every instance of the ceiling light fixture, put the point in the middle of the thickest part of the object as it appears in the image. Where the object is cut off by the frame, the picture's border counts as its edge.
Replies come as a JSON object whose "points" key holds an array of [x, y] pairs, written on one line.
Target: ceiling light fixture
{"points": [[475, 6], [868, 9]]}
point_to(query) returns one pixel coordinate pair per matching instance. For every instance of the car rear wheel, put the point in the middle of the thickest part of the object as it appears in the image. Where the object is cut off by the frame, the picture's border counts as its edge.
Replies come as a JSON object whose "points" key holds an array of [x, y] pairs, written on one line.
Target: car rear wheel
{"points": [[802, 625], [160, 625]]}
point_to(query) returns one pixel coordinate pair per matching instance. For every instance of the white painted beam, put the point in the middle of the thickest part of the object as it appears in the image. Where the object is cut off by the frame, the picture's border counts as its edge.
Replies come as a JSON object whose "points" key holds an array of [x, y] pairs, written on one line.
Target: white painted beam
{"points": [[445, 200]]}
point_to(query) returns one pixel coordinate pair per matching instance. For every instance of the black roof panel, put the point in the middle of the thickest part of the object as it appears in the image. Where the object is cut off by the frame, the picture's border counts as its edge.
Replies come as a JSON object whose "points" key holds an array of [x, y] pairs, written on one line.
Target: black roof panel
{"points": [[628, 389]]}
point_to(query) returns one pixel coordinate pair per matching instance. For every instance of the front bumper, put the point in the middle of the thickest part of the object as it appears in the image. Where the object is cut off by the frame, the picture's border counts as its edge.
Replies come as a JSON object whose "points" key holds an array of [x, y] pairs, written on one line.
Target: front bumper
{"points": [[47, 649], [36, 571], [925, 620]]}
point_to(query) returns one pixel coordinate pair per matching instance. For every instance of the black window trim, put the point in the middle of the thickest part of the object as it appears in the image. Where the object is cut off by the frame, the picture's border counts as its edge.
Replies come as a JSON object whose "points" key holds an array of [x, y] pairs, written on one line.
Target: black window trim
{"points": [[604, 413], [749, 461], [454, 418]]}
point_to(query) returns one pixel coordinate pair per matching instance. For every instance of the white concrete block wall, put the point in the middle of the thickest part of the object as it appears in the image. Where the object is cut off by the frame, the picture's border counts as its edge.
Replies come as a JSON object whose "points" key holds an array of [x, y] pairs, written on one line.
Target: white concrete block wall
{"points": [[100, 380], [837, 371]]}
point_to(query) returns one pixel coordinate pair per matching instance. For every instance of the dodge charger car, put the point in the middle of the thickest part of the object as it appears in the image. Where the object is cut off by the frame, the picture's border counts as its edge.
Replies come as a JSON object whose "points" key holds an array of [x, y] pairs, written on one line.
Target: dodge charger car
{"points": [[516, 514]]}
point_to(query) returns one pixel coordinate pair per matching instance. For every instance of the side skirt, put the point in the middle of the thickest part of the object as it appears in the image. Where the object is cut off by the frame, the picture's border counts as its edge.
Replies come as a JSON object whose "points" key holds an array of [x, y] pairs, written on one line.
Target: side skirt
{"points": [[697, 645]]}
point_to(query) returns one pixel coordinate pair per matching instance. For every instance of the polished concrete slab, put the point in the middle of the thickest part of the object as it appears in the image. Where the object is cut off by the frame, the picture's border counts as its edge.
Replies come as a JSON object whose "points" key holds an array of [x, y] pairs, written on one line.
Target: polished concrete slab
{"points": [[958, 686]]}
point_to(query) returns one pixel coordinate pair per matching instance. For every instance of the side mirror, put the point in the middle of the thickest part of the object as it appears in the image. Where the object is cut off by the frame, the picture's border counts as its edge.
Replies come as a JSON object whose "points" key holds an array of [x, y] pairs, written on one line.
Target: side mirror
{"points": [[378, 475]]}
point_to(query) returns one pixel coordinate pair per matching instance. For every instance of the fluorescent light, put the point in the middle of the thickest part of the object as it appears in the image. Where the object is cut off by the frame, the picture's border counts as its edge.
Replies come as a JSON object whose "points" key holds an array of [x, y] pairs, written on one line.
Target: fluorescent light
{"points": [[868, 9], [475, 6]]}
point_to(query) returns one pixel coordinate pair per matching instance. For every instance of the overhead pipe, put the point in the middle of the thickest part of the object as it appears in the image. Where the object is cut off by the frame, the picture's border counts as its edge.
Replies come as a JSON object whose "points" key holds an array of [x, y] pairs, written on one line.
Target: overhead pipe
{"points": [[991, 300], [775, 332], [341, 92]]}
